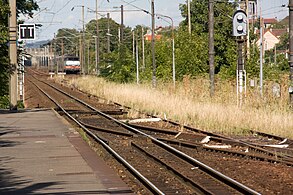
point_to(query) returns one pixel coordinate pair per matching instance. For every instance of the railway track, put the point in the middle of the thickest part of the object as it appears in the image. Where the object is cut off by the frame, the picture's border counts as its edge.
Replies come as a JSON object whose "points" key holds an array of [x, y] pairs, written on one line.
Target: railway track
{"points": [[156, 157], [253, 142]]}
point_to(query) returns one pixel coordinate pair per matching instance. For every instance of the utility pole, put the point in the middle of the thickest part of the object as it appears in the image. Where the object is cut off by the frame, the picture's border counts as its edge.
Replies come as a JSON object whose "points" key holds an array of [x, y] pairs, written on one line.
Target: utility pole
{"points": [[173, 56], [96, 56], [137, 70], [13, 55], [189, 18], [62, 53], [121, 46], [121, 26], [261, 56], [248, 31], [211, 48], [80, 54], [142, 42], [97, 41], [88, 57], [154, 79], [108, 30], [133, 45], [291, 50], [83, 42]]}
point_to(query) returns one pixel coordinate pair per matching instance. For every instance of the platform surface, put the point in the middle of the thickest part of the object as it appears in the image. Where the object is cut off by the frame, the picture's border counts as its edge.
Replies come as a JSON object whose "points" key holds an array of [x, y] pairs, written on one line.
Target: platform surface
{"points": [[42, 154]]}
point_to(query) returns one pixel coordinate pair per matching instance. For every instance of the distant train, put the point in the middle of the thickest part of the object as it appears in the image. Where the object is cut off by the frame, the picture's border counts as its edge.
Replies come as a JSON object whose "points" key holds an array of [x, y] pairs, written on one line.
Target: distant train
{"points": [[68, 64]]}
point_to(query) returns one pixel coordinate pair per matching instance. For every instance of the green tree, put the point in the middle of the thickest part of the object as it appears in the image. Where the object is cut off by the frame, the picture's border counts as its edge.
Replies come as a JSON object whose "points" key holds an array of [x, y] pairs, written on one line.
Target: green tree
{"points": [[25, 7], [70, 40], [191, 54], [225, 46]]}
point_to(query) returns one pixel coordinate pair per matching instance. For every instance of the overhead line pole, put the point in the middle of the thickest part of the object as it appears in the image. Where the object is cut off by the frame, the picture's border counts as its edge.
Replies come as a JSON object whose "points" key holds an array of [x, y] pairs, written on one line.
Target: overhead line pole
{"points": [[108, 30], [142, 47], [189, 18], [97, 41], [121, 34], [121, 27], [211, 48], [13, 55], [154, 82], [83, 40], [261, 55], [248, 29], [291, 50]]}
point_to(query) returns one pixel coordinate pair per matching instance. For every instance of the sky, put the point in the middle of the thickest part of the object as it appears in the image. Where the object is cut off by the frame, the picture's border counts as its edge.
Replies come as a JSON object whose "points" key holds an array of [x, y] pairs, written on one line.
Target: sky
{"points": [[56, 14]]}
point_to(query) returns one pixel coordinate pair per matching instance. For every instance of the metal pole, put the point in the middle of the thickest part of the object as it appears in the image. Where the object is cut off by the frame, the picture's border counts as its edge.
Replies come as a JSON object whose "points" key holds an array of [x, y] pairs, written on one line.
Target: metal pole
{"points": [[173, 61], [154, 82], [83, 42], [108, 30], [133, 45], [211, 48], [121, 26], [13, 55], [62, 50], [137, 70], [248, 30], [291, 51], [97, 41], [80, 54], [121, 49], [96, 53], [261, 58], [142, 42], [88, 56], [240, 69], [189, 18]]}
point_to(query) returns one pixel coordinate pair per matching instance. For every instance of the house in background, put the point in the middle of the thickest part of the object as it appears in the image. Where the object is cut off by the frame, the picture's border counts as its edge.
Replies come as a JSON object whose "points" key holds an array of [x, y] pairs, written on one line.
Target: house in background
{"points": [[271, 37], [148, 36]]}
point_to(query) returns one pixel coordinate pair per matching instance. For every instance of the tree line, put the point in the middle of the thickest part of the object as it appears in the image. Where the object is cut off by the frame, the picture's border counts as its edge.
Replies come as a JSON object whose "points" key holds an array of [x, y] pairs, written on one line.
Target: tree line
{"points": [[117, 60], [191, 50]]}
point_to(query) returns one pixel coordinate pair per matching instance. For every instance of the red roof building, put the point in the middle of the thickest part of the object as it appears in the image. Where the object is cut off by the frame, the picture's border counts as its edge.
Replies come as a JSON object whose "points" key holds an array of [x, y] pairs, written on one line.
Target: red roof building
{"points": [[148, 36]]}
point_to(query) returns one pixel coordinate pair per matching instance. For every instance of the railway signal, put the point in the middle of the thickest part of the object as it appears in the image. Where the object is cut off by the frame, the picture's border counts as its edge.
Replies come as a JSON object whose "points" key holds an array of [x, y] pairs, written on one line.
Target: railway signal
{"points": [[240, 31], [239, 23]]}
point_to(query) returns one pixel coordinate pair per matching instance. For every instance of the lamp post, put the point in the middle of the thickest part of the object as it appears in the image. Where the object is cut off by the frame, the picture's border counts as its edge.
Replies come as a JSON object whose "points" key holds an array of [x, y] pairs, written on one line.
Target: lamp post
{"points": [[173, 48]]}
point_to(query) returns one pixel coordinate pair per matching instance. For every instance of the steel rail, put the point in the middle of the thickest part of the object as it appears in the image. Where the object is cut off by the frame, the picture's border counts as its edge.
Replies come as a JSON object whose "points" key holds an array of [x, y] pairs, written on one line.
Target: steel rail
{"points": [[150, 185], [231, 182]]}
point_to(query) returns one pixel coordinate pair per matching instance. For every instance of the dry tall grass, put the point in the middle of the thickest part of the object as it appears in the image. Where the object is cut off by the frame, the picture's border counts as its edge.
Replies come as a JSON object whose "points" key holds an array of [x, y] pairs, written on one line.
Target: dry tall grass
{"points": [[190, 104]]}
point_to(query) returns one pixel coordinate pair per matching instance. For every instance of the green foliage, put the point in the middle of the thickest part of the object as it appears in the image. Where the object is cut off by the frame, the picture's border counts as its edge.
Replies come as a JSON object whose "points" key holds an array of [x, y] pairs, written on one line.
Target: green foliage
{"points": [[225, 46], [117, 68], [4, 102], [191, 54], [23, 7], [284, 42], [70, 40], [4, 67], [252, 63], [26, 7]]}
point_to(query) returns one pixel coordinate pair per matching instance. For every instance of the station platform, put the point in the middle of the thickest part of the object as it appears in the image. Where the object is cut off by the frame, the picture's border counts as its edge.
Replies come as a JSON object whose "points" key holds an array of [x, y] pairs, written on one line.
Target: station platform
{"points": [[40, 153]]}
